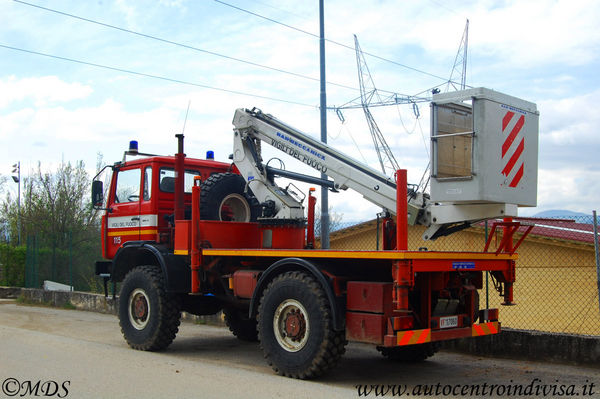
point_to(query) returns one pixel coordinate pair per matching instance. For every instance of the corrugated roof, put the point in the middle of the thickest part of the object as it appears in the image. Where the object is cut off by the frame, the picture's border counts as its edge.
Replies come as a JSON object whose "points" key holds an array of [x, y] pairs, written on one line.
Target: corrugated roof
{"points": [[558, 229], [561, 229]]}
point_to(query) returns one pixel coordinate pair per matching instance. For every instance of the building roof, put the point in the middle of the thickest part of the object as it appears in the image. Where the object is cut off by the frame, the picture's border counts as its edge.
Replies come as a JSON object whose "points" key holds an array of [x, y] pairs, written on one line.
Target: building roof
{"points": [[561, 229], [550, 228]]}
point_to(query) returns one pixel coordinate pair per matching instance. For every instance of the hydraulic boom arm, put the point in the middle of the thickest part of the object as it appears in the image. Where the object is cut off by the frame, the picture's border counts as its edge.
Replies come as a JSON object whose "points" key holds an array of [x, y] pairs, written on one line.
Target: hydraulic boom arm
{"points": [[442, 217], [252, 127]]}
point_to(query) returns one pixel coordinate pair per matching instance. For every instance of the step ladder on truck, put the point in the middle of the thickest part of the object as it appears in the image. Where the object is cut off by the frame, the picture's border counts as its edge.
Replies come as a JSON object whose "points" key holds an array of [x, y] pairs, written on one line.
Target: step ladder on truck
{"points": [[201, 236]]}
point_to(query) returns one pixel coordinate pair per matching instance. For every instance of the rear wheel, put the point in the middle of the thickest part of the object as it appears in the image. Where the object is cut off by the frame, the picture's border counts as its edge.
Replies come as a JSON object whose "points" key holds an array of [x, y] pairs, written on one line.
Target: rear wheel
{"points": [[149, 317], [222, 197], [295, 327], [240, 325]]}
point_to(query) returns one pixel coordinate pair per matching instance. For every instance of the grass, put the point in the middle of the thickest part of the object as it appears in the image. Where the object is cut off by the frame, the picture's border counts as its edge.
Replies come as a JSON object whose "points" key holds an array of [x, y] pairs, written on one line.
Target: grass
{"points": [[69, 306]]}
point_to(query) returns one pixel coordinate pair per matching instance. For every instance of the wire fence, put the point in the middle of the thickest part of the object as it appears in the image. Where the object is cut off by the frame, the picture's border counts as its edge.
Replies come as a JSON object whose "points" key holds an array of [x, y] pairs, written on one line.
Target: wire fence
{"points": [[556, 287], [42, 260], [47, 262]]}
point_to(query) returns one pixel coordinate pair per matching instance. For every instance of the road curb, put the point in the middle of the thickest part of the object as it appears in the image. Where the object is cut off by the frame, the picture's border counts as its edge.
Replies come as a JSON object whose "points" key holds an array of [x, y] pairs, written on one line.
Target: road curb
{"points": [[10, 292], [78, 300]]}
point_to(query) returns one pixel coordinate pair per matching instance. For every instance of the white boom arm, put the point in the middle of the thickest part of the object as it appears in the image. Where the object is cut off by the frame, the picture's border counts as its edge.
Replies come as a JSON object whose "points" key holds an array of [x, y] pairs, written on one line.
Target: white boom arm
{"points": [[252, 127]]}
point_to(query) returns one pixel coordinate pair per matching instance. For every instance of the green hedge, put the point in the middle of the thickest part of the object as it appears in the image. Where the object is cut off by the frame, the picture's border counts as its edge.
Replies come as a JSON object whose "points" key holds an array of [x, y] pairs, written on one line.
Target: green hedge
{"points": [[12, 265]]}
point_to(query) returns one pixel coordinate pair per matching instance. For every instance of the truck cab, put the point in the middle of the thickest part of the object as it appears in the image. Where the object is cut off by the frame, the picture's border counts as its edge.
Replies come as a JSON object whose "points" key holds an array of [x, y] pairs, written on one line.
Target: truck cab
{"points": [[141, 197]]}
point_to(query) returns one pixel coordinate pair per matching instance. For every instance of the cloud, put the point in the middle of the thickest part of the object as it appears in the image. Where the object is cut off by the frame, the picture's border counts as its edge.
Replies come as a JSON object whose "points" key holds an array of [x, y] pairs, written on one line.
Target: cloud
{"points": [[40, 90], [568, 132], [129, 12], [173, 3], [568, 188], [517, 33], [54, 132]]}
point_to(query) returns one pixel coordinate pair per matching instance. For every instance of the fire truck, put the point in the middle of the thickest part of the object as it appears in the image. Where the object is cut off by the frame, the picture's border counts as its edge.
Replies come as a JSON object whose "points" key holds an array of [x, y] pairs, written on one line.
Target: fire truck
{"points": [[202, 236]]}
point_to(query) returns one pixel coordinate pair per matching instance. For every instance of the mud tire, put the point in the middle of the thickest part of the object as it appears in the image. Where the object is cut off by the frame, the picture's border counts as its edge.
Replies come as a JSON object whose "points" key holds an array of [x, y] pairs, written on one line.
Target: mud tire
{"points": [[319, 348], [240, 325], [148, 316], [222, 197]]}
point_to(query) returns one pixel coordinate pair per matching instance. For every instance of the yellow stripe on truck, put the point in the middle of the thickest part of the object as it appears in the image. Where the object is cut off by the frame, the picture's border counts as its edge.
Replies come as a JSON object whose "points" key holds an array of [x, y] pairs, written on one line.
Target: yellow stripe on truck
{"points": [[114, 233]]}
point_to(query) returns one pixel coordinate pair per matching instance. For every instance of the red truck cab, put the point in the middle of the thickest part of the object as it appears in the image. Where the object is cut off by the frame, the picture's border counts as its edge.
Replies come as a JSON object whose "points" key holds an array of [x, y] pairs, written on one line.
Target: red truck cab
{"points": [[141, 199]]}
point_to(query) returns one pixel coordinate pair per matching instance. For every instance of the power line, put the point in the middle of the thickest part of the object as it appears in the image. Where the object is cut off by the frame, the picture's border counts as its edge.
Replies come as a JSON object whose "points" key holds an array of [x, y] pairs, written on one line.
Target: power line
{"points": [[282, 10], [439, 4], [223, 55], [234, 58], [329, 40], [181, 44], [156, 76], [268, 19]]}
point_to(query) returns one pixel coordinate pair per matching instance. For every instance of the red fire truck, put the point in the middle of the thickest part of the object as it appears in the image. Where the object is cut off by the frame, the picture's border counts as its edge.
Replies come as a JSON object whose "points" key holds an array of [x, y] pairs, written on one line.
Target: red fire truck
{"points": [[201, 236]]}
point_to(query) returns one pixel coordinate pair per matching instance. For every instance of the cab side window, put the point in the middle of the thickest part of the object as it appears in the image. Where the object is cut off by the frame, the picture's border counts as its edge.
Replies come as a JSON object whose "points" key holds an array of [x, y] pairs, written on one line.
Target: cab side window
{"points": [[167, 180], [128, 186], [147, 183]]}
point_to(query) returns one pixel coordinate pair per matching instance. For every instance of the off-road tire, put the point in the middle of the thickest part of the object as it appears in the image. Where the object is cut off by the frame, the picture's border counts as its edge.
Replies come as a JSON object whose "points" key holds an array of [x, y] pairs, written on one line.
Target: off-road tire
{"points": [[240, 325], [323, 346], [410, 353], [217, 188], [157, 329]]}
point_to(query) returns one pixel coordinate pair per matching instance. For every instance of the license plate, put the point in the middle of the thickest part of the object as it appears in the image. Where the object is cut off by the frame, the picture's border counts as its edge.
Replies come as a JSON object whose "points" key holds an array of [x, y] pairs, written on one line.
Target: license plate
{"points": [[449, 322]]}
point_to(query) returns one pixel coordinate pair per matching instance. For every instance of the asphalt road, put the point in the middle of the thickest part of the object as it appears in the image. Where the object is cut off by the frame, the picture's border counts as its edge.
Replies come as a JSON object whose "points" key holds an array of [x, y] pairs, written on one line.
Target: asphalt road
{"points": [[83, 355]]}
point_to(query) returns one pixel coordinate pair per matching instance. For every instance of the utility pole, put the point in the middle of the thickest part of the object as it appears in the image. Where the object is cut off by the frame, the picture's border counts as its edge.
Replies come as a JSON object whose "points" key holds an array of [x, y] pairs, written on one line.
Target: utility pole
{"points": [[596, 250], [323, 102], [17, 179]]}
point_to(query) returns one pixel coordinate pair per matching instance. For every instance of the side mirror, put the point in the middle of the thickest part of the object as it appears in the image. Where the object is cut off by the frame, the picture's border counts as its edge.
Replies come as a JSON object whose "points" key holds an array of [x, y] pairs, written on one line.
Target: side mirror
{"points": [[97, 193]]}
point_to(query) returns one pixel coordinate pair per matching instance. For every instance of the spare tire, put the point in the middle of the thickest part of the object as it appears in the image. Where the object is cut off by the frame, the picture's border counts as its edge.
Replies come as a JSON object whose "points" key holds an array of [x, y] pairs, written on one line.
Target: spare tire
{"points": [[222, 197]]}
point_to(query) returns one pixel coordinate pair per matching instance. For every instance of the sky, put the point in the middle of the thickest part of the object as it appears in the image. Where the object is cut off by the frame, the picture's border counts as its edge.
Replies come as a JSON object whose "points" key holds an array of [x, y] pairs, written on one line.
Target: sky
{"points": [[117, 70]]}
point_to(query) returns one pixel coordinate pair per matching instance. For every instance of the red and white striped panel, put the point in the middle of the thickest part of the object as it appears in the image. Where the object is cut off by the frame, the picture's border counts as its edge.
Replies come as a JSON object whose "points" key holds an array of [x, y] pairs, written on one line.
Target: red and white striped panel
{"points": [[513, 147]]}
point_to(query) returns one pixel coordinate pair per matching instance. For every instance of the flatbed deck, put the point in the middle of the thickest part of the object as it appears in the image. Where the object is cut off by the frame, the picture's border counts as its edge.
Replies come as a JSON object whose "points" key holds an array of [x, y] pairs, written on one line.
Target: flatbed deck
{"points": [[348, 254]]}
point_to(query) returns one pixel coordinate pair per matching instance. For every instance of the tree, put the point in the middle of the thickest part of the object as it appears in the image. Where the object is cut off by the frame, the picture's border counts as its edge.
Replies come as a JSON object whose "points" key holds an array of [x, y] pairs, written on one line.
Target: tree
{"points": [[56, 210], [4, 227], [335, 220]]}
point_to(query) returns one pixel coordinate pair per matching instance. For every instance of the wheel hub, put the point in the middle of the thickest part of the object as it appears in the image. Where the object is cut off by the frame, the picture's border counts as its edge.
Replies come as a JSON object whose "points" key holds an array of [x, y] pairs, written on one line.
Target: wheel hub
{"points": [[295, 325], [234, 208], [139, 309], [291, 325]]}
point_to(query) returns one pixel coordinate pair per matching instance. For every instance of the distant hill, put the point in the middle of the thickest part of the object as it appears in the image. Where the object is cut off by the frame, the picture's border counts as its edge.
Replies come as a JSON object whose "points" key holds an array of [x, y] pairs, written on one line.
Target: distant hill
{"points": [[560, 213]]}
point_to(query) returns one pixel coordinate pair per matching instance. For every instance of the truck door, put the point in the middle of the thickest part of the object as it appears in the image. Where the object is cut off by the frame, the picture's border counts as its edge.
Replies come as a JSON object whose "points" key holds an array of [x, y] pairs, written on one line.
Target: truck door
{"points": [[124, 202], [149, 221]]}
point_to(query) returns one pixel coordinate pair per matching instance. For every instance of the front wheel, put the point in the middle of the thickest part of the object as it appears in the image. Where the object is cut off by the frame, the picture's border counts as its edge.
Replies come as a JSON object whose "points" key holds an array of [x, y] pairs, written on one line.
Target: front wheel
{"points": [[149, 317], [295, 327]]}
